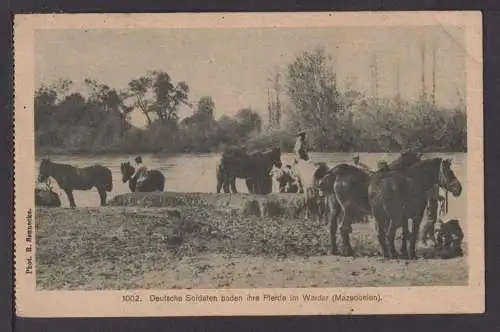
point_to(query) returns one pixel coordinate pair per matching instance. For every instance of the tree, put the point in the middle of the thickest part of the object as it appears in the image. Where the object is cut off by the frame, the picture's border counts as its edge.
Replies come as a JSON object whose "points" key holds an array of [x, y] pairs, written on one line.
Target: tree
{"points": [[156, 93], [206, 106], [248, 121], [311, 88], [168, 96], [138, 89], [200, 128], [108, 98]]}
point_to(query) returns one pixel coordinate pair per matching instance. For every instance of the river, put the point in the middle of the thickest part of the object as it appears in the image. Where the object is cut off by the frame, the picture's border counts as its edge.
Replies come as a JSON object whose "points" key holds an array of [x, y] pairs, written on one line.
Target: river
{"points": [[196, 173]]}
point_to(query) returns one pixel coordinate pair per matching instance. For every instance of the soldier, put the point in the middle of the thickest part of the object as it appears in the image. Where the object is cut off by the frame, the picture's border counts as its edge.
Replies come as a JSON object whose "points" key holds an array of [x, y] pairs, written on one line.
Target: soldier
{"points": [[449, 237], [301, 148], [360, 165], [141, 171]]}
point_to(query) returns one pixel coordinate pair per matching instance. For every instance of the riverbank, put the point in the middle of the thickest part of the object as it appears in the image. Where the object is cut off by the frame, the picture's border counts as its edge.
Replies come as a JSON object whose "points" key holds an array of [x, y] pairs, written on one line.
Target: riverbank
{"points": [[204, 247], [49, 150], [272, 205]]}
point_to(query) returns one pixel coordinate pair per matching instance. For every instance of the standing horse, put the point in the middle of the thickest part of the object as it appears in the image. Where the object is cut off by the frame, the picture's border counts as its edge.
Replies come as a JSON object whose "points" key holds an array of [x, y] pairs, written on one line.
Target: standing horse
{"points": [[395, 197], [155, 180], [71, 178], [346, 190], [253, 167]]}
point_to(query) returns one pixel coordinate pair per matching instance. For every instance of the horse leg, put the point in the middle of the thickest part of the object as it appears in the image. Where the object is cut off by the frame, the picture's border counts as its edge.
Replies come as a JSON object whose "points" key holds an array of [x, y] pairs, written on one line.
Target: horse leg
{"points": [[390, 235], [233, 184], [395, 219], [404, 240], [102, 195], [381, 223], [415, 225], [345, 229], [249, 183], [219, 183], [333, 215], [71, 199], [219, 174], [225, 183]]}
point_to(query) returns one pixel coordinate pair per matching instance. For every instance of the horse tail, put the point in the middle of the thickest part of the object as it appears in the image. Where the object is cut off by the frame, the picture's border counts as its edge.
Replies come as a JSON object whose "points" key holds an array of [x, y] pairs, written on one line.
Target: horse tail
{"points": [[161, 182]]}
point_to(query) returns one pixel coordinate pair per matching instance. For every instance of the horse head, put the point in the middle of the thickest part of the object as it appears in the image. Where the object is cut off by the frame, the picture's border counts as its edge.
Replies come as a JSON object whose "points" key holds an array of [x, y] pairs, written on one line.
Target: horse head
{"points": [[44, 170], [321, 170], [127, 171], [447, 178]]}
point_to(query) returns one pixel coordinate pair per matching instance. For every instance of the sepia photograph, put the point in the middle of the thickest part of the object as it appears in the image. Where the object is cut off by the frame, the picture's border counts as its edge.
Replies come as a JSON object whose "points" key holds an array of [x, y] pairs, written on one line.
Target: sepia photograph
{"points": [[264, 156]]}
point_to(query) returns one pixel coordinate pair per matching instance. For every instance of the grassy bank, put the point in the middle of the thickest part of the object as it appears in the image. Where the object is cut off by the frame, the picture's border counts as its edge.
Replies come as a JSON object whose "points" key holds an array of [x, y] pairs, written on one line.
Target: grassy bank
{"points": [[200, 247]]}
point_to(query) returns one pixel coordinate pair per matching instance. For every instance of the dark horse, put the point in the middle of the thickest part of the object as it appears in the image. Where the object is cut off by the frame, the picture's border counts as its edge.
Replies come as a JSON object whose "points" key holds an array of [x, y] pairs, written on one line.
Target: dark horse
{"points": [[254, 167], [345, 188], [396, 197], [155, 180], [71, 178]]}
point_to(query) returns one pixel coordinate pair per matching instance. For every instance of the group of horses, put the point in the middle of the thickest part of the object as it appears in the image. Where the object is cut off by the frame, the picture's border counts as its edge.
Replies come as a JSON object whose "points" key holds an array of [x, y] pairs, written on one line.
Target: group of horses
{"points": [[395, 196], [70, 178]]}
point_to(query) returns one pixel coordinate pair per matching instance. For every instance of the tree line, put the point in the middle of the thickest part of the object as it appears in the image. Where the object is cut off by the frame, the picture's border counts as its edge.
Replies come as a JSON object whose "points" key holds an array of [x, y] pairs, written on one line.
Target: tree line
{"points": [[98, 121]]}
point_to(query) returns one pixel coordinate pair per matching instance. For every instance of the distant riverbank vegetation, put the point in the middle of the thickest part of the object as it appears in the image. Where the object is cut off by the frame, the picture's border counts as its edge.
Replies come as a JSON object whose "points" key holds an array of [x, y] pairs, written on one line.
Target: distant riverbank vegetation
{"points": [[98, 120]]}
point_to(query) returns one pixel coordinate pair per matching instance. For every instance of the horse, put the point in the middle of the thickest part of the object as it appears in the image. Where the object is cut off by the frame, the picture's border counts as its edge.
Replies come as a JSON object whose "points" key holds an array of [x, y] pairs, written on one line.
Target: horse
{"points": [[345, 188], [397, 196], [254, 167], [155, 180], [71, 178]]}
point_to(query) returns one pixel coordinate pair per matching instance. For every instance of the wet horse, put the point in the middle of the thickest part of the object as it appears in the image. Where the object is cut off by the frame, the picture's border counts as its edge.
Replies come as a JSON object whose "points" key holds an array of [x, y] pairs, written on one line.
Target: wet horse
{"points": [[71, 178], [398, 196], [253, 167], [346, 191], [155, 180]]}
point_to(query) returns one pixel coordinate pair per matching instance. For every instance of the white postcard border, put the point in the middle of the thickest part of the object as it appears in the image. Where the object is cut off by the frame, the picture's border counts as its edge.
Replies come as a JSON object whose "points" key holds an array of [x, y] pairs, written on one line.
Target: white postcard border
{"points": [[395, 300]]}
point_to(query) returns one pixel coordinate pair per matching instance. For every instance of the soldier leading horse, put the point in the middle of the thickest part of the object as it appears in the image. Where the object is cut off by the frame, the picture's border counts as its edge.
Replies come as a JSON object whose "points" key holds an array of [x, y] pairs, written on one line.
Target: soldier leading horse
{"points": [[346, 190], [396, 197]]}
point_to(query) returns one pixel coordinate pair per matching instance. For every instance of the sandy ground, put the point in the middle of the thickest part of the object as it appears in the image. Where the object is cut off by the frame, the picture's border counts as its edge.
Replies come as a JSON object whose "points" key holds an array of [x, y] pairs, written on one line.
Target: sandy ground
{"points": [[129, 247]]}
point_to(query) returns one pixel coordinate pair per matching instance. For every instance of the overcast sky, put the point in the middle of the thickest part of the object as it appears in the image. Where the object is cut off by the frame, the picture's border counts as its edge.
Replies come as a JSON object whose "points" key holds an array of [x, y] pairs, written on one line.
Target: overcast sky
{"points": [[234, 65]]}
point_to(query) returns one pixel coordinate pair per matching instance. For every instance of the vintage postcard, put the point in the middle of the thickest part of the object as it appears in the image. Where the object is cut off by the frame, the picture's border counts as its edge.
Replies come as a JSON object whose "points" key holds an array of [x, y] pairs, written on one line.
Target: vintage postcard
{"points": [[248, 164]]}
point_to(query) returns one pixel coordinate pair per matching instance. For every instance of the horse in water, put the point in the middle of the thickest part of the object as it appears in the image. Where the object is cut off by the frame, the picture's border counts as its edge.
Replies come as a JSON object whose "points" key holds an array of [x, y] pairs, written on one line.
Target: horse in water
{"points": [[155, 180], [346, 190], [397, 196], [71, 178], [254, 167]]}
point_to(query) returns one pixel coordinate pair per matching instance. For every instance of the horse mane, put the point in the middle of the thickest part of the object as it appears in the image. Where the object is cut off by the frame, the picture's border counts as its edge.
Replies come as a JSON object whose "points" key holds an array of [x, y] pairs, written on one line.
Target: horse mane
{"points": [[405, 160]]}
